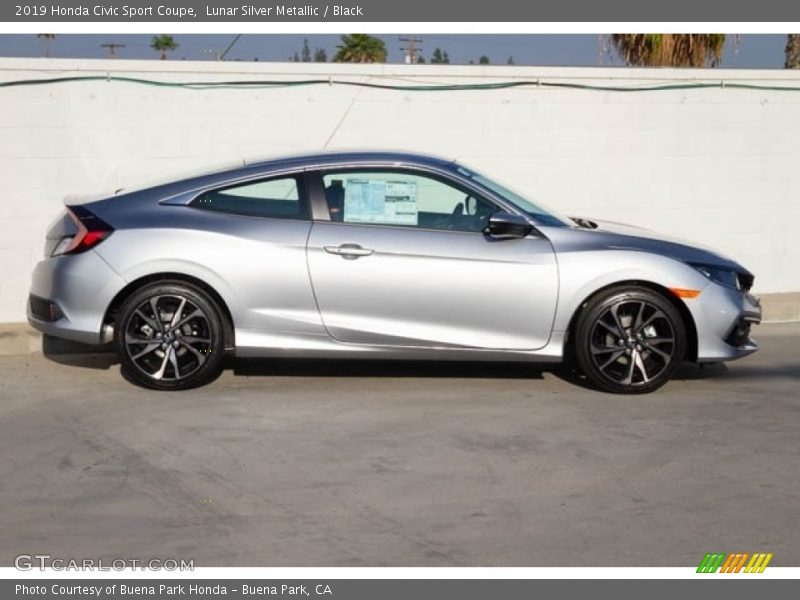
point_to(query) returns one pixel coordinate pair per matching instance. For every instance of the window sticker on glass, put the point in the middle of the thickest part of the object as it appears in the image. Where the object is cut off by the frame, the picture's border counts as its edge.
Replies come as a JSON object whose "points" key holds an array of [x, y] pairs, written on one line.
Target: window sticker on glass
{"points": [[380, 201], [401, 202]]}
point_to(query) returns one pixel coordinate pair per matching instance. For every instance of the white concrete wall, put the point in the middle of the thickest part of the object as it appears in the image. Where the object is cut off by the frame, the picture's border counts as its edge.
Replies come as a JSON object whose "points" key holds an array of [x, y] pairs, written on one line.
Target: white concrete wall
{"points": [[718, 166]]}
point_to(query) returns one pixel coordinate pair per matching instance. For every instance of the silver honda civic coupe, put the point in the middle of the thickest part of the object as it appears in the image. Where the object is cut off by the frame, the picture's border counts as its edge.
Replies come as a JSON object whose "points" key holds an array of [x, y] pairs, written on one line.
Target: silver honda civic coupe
{"points": [[378, 255]]}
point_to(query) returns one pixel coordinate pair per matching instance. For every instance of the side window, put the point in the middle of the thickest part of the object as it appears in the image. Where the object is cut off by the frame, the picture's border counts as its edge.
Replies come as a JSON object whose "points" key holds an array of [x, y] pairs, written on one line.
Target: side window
{"points": [[276, 198], [402, 198]]}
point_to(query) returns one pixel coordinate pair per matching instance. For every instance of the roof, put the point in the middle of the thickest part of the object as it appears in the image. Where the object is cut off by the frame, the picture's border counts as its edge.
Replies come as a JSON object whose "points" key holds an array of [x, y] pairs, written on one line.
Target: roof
{"points": [[179, 190], [346, 156], [245, 169]]}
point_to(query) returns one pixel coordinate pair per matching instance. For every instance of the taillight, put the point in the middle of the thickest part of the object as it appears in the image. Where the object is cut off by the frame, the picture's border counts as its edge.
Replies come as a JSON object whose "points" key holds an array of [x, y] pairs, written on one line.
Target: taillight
{"points": [[91, 231]]}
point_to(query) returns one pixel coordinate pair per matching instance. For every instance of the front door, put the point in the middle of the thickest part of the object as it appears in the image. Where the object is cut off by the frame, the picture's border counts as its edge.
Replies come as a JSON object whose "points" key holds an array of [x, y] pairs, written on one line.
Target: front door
{"points": [[404, 262]]}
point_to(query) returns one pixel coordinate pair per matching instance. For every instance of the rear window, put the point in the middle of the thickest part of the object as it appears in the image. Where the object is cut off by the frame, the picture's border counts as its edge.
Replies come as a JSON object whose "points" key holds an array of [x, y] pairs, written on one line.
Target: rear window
{"points": [[275, 198]]}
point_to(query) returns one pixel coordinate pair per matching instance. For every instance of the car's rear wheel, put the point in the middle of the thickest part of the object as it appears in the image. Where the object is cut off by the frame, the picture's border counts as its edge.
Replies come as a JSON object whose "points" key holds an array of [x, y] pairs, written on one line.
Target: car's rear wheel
{"points": [[629, 340], [169, 337]]}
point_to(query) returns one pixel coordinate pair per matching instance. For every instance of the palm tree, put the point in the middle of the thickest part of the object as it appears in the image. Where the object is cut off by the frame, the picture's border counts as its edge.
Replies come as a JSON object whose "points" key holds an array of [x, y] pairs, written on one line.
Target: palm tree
{"points": [[793, 51], [669, 49], [360, 48], [163, 44], [439, 57], [46, 38], [320, 55]]}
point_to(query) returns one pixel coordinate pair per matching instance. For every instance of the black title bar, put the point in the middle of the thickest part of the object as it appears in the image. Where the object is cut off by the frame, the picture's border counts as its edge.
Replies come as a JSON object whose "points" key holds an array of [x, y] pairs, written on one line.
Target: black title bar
{"points": [[734, 587], [55, 11]]}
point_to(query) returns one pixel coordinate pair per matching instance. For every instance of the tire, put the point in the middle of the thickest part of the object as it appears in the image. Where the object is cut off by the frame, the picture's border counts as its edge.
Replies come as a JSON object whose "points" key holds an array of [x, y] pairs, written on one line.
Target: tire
{"points": [[169, 336], [629, 340]]}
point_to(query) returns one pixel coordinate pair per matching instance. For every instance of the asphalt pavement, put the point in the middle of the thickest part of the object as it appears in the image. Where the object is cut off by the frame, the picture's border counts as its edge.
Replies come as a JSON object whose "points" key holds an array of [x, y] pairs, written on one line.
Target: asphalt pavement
{"points": [[402, 464]]}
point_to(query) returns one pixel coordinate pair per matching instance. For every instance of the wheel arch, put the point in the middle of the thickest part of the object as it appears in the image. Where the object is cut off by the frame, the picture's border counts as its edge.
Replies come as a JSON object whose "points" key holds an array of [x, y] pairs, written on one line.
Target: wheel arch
{"points": [[228, 328], [680, 306]]}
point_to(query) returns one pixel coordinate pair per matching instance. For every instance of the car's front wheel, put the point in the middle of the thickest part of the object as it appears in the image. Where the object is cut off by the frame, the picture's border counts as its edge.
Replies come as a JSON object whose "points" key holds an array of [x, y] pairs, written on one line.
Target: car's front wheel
{"points": [[629, 340], [169, 337]]}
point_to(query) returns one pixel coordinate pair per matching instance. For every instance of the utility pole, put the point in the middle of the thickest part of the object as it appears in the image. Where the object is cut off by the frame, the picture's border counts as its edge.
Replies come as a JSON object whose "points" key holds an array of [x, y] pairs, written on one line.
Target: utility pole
{"points": [[411, 49], [112, 49]]}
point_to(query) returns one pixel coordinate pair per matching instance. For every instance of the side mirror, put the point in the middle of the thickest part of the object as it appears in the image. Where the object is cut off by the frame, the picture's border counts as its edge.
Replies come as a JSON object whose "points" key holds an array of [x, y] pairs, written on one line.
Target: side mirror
{"points": [[507, 226]]}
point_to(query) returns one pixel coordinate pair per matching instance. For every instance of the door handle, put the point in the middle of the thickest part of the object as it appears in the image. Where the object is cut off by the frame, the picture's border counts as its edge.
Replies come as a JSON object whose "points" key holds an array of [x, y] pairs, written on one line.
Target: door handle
{"points": [[349, 251]]}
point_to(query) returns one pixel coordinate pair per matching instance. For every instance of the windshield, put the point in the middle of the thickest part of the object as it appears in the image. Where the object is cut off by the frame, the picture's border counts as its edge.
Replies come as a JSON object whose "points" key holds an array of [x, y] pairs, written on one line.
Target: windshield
{"points": [[537, 212]]}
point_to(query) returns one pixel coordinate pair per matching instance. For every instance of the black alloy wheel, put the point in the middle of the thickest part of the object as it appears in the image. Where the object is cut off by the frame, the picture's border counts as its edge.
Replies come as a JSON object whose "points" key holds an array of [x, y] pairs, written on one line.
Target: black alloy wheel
{"points": [[169, 337], [629, 340]]}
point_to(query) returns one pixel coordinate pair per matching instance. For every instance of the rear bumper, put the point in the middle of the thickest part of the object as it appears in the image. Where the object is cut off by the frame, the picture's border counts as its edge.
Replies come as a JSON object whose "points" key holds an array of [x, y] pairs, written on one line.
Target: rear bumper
{"points": [[81, 288], [723, 317]]}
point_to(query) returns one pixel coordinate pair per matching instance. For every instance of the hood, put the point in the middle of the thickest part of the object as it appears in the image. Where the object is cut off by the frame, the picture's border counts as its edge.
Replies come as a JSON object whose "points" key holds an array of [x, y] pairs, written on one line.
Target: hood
{"points": [[614, 235]]}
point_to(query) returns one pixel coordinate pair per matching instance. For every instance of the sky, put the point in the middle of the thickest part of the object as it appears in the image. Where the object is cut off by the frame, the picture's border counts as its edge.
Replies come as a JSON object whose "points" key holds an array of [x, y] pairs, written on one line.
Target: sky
{"points": [[746, 51]]}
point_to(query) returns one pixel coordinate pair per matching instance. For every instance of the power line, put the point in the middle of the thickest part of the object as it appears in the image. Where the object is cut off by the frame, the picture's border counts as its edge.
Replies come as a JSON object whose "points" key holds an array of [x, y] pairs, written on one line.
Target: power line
{"points": [[721, 85], [217, 55], [233, 42]]}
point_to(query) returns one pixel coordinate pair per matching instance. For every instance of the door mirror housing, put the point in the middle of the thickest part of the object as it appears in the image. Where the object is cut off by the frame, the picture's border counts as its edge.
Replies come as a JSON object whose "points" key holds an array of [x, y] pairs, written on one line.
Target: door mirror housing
{"points": [[507, 226]]}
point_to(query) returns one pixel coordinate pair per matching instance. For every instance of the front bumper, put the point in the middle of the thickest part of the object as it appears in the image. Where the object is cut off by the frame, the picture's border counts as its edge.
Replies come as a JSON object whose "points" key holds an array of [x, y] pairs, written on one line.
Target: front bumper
{"points": [[723, 318], [69, 296]]}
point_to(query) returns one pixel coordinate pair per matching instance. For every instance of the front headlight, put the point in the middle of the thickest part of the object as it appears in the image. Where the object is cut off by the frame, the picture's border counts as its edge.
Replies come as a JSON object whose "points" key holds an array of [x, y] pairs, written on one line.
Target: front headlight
{"points": [[726, 277]]}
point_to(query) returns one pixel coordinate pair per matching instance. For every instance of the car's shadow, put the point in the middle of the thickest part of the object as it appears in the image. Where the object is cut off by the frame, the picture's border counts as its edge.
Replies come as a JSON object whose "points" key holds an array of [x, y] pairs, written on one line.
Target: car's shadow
{"points": [[75, 354], [738, 371], [385, 368], [103, 357]]}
